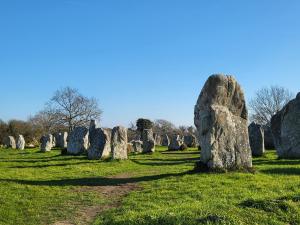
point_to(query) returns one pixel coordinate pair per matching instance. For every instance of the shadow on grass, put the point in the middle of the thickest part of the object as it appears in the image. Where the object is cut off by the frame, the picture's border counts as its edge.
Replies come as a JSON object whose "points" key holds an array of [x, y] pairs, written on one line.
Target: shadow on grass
{"points": [[95, 181], [282, 171], [180, 153], [50, 165], [164, 162], [277, 162]]}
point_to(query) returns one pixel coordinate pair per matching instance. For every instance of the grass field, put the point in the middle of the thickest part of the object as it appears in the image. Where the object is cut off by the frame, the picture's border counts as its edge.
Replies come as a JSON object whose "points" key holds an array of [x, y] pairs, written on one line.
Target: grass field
{"points": [[38, 188]]}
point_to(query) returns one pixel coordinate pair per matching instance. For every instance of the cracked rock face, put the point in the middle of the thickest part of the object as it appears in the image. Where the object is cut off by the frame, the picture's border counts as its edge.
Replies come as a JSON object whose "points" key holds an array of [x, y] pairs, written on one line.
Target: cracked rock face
{"points": [[175, 143], [148, 141], [221, 118], [285, 127], [78, 141], [256, 138], [99, 143], [119, 143]]}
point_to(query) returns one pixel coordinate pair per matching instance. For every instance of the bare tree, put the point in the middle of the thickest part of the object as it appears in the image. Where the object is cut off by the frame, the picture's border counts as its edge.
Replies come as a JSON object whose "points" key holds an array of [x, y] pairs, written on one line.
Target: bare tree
{"points": [[267, 102], [70, 108], [162, 127]]}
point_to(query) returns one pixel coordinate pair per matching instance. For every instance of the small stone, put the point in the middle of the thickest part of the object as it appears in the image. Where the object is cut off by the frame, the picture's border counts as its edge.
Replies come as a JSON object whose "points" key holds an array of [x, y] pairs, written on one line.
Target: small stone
{"points": [[46, 143], [78, 141], [256, 138]]}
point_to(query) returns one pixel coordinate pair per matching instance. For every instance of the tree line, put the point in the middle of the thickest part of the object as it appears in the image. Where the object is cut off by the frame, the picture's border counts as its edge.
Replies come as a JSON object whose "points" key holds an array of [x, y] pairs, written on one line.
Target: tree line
{"points": [[68, 108]]}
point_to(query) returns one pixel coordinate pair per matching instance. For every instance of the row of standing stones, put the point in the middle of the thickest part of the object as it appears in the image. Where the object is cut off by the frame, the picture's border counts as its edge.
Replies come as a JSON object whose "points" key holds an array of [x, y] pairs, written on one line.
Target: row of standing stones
{"points": [[221, 119], [11, 142], [226, 140], [99, 143]]}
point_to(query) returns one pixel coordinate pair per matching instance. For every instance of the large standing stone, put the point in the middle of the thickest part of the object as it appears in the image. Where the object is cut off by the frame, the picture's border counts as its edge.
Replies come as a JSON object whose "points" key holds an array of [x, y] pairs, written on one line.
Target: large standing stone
{"points": [[221, 118], [99, 143], [119, 143], [176, 143], [137, 146], [190, 141], [46, 143], [20, 142], [165, 140], [256, 138], [286, 130], [148, 141], [10, 142], [78, 141], [61, 141]]}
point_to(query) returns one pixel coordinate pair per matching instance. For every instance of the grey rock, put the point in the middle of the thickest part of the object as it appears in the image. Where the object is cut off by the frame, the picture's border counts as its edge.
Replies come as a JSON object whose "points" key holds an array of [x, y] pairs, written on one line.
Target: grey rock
{"points": [[158, 139], [20, 142], [78, 141], [165, 140], [221, 118], [62, 140], [10, 142], [256, 138], [46, 143], [148, 141], [99, 139], [285, 127], [175, 144], [137, 146], [119, 143], [190, 141]]}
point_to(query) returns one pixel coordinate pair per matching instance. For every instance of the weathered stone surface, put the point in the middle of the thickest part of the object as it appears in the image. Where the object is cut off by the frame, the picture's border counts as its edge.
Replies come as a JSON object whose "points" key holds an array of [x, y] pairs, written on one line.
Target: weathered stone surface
{"points": [[10, 142], [148, 141], [99, 143], [221, 119], [286, 130], [20, 142], [46, 143], [256, 138], [165, 140], [190, 141], [78, 141], [137, 146], [61, 141], [158, 139], [119, 143], [176, 143]]}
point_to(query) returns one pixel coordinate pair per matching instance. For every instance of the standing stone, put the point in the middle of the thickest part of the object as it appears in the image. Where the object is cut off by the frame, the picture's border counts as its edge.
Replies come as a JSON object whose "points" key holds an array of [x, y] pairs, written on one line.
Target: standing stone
{"points": [[119, 143], [10, 142], [165, 140], [78, 141], [158, 140], [46, 143], [148, 141], [256, 138], [190, 141], [99, 143], [221, 119], [175, 144], [62, 140], [20, 142], [137, 146], [285, 127]]}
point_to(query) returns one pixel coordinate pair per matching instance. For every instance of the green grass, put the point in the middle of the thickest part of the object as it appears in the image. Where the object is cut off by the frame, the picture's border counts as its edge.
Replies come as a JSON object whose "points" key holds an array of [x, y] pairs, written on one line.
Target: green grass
{"points": [[38, 188]]}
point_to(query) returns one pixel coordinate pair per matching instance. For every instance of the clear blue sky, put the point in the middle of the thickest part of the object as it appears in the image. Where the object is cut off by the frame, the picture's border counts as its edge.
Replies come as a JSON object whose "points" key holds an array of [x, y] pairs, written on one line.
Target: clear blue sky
{"points": [[143, 58]]}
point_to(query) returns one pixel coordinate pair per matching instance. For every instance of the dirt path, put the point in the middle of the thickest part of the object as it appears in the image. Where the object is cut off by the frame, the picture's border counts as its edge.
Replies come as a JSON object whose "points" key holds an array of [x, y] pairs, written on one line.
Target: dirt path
{"points": [[115, 193]]}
